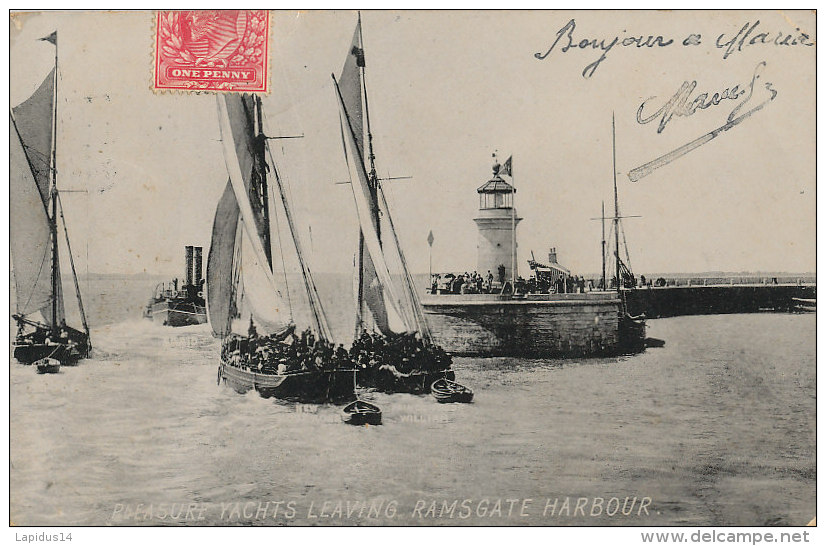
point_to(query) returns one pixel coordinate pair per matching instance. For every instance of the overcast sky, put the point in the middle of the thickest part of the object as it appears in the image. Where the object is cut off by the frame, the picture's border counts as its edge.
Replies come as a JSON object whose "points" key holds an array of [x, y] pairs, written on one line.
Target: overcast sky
{"points": [[446, 90]]}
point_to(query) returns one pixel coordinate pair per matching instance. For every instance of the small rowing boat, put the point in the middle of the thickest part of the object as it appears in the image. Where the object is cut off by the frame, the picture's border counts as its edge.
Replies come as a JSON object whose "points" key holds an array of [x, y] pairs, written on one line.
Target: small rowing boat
{"points": [[444, 390], [361, 413], [804, 305], [48, 365]]}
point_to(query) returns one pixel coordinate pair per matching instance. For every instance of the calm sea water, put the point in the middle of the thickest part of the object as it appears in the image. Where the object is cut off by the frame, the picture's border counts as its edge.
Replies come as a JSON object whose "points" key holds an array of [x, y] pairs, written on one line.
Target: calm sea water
{"points": [[715, 428]]}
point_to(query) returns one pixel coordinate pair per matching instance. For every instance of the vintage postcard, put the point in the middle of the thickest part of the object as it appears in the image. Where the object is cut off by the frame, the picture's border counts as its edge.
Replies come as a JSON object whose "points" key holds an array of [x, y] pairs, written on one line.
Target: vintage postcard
{"points": [[413, 268]]}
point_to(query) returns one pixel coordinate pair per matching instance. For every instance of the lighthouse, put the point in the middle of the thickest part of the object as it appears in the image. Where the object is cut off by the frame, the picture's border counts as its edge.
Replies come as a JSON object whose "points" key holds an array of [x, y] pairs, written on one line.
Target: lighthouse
{"points": [[496, 222]]}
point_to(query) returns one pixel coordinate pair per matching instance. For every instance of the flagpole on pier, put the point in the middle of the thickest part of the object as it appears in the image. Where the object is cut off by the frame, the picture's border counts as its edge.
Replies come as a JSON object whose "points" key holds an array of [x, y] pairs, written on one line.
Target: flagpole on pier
{"points": [[430, 245], [513, 225]]}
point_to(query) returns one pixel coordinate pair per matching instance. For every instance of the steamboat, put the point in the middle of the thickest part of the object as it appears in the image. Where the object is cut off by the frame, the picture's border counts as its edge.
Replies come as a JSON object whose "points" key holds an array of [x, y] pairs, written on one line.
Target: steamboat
{"points": [[184, 305]]}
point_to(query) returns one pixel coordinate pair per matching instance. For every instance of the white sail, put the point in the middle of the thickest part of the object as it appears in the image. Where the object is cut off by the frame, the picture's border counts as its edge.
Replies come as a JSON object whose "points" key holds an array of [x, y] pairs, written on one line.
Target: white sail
{"points": [[361, 194], [267, 306], [251, 240]]}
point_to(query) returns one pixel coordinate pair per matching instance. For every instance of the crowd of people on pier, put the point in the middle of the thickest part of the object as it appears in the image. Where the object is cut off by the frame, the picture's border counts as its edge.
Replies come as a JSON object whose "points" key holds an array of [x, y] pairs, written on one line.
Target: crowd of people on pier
{"points": [[474, 283], [464, 283], [289, 352]]}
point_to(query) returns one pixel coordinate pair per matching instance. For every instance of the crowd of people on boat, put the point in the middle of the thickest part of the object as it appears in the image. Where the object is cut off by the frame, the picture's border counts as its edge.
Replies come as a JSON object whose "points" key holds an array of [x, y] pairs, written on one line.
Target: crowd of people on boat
{"points": [[289, 352], [284, 352], [44, 336], [407, 352]]}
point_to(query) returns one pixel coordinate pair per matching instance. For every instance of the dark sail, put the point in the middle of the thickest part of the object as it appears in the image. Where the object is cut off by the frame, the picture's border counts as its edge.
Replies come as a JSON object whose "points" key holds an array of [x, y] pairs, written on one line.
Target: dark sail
{"points": [[30, 237], [241, 112], [374, 308], [359, 180], [220, 269], [34, 123]]}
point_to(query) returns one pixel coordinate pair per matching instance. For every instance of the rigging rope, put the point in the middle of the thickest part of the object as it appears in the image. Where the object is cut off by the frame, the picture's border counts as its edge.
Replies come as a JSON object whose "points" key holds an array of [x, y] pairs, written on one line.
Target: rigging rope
{"points": [[74, 273], [281, 252], [312, 292], [411, 287]]}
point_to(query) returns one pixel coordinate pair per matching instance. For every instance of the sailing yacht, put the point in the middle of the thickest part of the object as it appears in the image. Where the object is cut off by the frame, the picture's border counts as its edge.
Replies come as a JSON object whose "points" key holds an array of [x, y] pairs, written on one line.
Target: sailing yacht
{"points": [[34, 199], [267, 354], [393, 346], [631, 330]]}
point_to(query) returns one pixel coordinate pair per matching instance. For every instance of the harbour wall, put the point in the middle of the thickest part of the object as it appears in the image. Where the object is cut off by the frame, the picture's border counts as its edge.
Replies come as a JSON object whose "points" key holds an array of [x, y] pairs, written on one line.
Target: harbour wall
{"points": [[672, 301], [558, 325]]}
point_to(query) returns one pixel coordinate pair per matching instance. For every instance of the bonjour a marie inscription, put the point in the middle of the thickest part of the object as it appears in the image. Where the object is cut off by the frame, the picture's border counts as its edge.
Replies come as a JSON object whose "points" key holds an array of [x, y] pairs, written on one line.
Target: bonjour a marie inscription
{"points": [[212, 50]]}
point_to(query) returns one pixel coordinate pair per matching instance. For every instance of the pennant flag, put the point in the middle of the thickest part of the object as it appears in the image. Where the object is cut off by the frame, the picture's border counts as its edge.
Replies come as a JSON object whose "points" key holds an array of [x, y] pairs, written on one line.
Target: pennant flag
{"points": [[430, 238], [358, 53], [50, 38], [507, 167]]}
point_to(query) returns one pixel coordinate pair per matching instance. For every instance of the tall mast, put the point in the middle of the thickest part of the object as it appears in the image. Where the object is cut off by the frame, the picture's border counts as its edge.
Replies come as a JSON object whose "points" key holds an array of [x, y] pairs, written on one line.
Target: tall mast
{"points": [[314, 300], [616, 201], [372, 184], [53, 195], [602, 217], [373, 178], [260, 140]]}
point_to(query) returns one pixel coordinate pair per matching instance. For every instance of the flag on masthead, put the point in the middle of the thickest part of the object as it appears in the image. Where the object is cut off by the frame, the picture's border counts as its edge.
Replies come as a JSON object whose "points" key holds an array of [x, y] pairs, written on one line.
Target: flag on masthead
{"points": [[507, 167], [50, 38]]}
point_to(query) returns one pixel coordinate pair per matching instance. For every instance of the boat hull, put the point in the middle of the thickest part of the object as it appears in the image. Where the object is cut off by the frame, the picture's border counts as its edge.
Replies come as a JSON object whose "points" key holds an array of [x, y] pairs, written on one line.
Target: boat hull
{"points": [[361, 413], [804, 305], [450, 392], [47, 365], [308, 386], [631, 335], [388, 379], [448, 398], [177, 313], [29, 354]]}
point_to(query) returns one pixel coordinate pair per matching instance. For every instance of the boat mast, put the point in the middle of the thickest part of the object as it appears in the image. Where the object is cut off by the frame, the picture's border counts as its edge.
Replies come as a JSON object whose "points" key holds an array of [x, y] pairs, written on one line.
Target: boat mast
{"points": [[372, 184], [260, 140], [616, 201], [313, 298], [53, 194], [373, 178], [602, 217]]}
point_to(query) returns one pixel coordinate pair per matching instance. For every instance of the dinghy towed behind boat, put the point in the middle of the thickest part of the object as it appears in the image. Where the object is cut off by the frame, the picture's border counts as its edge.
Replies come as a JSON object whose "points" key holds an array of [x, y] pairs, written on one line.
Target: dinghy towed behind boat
{"points": [[444, 391], [48, 365], [361, 413]]}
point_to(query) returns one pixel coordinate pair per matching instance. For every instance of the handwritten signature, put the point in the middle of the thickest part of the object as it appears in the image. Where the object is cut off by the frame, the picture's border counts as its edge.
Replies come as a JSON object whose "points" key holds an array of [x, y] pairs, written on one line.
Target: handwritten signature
{"points": [[680, 105]]}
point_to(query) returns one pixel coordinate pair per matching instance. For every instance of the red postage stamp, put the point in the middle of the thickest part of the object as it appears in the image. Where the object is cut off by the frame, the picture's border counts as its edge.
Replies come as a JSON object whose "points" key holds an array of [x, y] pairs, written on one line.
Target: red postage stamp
{"points": [[212, 50]]}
